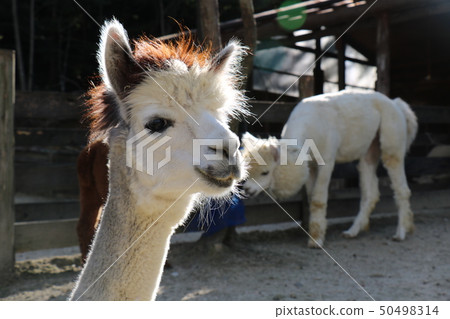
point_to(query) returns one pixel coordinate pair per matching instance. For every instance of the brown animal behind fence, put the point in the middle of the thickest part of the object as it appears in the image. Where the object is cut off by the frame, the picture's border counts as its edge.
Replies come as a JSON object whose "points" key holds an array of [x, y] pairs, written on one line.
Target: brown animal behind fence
{"points": [[93, 180]]}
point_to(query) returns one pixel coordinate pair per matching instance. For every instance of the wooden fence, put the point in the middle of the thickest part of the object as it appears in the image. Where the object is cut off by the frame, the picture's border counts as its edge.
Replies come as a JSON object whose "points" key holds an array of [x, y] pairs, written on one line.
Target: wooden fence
{"points": [[49, 137]]}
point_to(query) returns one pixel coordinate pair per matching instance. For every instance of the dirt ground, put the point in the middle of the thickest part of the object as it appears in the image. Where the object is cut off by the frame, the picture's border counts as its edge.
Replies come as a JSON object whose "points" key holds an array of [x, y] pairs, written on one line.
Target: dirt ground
{"points": [[278, 266]]}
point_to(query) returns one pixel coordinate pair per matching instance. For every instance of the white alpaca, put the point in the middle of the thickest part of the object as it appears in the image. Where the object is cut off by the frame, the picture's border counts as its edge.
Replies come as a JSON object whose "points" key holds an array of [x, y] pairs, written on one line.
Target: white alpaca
{"points": [[345, 126], [142, 211]]}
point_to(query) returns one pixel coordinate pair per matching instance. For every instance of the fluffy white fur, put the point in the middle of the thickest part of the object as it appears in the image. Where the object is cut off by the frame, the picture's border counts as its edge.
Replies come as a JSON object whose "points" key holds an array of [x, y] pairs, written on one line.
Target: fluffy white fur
{"points": [[142, 211], [345, 126]]}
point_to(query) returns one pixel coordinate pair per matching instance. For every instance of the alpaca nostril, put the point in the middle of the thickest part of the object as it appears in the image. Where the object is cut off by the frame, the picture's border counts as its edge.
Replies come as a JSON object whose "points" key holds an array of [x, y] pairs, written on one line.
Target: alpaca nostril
{"points": [[224, 150]]}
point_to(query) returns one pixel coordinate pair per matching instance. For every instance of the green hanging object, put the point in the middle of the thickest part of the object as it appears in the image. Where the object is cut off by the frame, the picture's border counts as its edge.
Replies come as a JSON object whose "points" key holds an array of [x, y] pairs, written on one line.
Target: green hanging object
{"points": [[292, 19]]}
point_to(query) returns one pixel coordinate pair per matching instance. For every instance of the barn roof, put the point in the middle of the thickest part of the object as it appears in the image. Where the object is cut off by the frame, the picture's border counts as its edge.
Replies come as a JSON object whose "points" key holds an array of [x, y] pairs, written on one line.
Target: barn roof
{"points": [[419, 38]]}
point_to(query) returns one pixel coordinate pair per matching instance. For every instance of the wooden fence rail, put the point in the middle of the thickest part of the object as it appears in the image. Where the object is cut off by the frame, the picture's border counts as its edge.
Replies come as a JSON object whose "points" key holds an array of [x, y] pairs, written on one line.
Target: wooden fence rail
{"points": [[7, 90]]}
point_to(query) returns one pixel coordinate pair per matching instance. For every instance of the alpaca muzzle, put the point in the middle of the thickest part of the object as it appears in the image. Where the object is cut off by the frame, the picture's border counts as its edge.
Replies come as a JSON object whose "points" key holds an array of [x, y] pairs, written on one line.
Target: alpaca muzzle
{"points": [[220, 176]]}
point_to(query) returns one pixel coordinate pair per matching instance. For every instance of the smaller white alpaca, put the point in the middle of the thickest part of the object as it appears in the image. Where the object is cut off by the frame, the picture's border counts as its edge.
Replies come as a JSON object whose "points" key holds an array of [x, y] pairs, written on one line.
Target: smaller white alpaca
{"points": [[345, 126]]}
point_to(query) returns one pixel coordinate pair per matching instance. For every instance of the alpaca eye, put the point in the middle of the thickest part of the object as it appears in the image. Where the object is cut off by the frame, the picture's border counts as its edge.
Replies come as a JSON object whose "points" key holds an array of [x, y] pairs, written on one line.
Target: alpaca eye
{"points": [[265, 173], [158, 125]]}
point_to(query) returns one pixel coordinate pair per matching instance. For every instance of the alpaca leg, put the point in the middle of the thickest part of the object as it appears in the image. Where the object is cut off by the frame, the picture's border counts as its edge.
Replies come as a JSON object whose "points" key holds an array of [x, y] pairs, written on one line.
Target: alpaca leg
{"points": [[369, 197], [370, 194], [318, 206], [306, 195], [396, 171], [309, 185]]}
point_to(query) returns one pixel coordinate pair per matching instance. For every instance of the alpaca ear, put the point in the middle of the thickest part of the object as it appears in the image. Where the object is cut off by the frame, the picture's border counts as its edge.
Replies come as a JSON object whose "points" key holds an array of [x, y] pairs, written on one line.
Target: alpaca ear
{"points": [[275, 152], [114, 56], [249, 139], [229, 58]]}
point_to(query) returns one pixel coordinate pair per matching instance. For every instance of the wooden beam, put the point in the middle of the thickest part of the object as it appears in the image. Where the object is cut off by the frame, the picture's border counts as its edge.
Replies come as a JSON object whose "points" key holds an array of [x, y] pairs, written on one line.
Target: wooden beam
{"points": [[49, 136], [45, 234], [46, 178], [369, 54], [329, 54], [426, 11], [383, 54], [318, 73], [277, 113], [341, 62], [317, 34], [50, 209], [349, 15], [7, 90], [268, 25], [306, 86], [49, 106]]}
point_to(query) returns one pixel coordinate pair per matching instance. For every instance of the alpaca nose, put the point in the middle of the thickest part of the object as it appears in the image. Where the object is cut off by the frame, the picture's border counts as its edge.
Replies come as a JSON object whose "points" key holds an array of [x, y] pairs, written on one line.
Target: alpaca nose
{"points": [[227, 150], [221, 151]]}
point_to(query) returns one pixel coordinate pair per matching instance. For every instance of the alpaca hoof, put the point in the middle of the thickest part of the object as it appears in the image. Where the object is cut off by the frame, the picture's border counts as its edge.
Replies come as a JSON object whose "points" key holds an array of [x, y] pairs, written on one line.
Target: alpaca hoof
{"points": [[316, 243], [349, 234], [399, 236], [356, 228]]}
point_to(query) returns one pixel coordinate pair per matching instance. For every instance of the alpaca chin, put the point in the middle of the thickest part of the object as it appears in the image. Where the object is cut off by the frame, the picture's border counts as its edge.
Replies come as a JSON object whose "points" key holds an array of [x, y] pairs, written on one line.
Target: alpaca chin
{"points": [[212, 189]]}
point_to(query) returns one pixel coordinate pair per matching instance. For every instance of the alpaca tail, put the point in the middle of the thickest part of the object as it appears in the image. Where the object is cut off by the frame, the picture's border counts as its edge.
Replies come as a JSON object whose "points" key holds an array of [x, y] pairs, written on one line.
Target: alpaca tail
{"points": [[411, 120]]}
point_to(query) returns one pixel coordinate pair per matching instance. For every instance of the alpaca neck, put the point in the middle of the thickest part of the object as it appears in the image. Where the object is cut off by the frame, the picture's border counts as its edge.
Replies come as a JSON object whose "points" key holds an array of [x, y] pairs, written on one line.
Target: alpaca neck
{"points": [[132, 241], [135, 243]]}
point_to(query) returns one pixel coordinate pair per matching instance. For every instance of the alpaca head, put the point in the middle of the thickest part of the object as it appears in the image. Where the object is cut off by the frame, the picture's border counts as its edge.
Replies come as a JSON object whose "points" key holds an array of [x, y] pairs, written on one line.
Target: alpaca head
{"points": [[271, 170], [173, 102], [262, 157]]}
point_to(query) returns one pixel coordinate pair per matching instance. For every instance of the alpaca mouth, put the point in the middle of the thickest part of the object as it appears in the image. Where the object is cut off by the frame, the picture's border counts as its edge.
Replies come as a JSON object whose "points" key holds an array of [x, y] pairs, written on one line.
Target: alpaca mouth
{"points": [[223, 182], [250, 193]]}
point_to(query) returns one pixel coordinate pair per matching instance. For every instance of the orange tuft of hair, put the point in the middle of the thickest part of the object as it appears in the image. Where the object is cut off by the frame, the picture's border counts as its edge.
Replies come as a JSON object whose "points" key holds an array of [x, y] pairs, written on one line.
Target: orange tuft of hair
{"points": [[154, 52]]}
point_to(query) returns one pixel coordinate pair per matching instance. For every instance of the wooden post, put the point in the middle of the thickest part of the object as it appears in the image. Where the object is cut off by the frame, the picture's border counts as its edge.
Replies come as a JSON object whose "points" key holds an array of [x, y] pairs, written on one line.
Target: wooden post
{"points": [[250, 37], [249, 23], [341, 63], [318, 73], [383, 54], [306, 88], [208, 11], [7, 90]]}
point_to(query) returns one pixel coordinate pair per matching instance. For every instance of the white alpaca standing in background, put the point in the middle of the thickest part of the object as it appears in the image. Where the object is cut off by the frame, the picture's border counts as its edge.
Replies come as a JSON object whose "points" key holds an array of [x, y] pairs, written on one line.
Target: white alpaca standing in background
{"points": [[345, 126], [142, 211]]}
